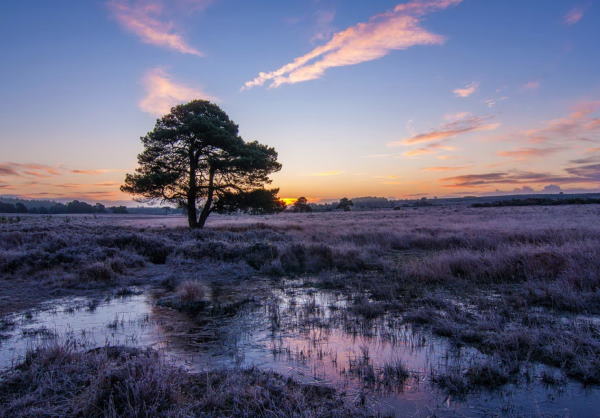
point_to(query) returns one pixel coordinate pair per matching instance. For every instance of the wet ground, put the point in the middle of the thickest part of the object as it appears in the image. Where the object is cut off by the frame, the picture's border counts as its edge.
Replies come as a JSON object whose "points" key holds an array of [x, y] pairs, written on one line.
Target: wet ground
{"points": [[309, 335]]}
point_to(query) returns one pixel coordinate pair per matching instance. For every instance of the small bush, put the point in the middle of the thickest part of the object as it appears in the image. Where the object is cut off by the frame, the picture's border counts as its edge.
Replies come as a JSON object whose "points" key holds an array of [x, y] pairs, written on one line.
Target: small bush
{"points": [[98, 272], [260, 254], [190, 291]]}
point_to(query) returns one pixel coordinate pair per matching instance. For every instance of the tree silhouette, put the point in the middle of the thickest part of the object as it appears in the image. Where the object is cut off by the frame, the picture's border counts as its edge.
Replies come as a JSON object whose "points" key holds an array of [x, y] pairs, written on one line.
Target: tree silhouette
{"points": [[194, 154], [345, 204], [256, 202], [301, 205]]}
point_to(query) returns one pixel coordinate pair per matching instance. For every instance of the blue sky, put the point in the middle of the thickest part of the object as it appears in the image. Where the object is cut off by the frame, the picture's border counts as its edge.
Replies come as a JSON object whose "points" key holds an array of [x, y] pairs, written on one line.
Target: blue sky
{"points": [[398, 99]]}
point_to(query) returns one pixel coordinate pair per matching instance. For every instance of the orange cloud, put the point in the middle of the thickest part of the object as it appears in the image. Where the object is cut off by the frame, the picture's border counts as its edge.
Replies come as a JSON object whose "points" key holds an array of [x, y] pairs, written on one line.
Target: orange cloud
{"points": [[466, 91], [162, 93], [450, 130], [93, 172], [573, 126], [394, 30], [141, 17], [526, 153], [34, 170], [573, 16]]}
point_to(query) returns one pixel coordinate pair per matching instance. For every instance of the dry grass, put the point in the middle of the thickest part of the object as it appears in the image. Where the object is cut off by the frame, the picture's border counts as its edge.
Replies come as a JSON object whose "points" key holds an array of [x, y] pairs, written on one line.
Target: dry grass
{"points": [[58, 380], [509, 281]]}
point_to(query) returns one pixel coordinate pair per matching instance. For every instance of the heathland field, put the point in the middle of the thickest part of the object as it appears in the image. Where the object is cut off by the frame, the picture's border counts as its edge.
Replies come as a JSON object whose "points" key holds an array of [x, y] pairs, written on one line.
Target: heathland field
{"points": [[424, 311]]}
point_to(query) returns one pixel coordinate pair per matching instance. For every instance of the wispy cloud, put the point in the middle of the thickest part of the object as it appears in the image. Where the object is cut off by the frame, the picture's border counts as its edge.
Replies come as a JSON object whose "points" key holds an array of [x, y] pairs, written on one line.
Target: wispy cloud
{"points": [[323, 25], [144, 18], [28, 169], [527, 153], [450, 130], [394, 30], [457, 116], [24, 170], [162, 93], [467, 90], [93, 172], [532, 85], [428, 149], [579, 123], [588, 174], [494, 101], [573, 16]]}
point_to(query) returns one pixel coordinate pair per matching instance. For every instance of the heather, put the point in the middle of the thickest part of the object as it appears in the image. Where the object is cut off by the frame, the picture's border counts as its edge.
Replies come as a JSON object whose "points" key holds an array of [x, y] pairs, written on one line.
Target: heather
{"points": [[59, 380], [518, 286]]}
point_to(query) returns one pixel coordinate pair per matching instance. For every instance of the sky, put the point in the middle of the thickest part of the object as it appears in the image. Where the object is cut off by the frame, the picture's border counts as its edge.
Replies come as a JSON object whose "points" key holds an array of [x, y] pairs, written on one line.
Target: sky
{"points": [[388, 98]]}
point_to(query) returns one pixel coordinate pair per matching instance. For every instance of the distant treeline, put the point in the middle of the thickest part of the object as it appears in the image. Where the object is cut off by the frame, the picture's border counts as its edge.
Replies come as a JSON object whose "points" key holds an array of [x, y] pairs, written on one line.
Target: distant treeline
{"points": [[533, 201], [74, 206], [11, 204], [358, 203]]}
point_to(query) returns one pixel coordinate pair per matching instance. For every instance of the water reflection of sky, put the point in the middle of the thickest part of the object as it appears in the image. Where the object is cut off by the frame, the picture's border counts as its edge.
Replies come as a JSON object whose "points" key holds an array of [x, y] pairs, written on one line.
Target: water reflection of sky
{"points": [[299, 333]]}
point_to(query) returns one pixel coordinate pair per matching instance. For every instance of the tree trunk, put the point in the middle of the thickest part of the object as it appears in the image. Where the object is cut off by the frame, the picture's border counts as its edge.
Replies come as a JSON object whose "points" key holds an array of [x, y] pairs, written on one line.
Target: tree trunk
{"points": [[209, 198], [191, 214], [192, 194]]}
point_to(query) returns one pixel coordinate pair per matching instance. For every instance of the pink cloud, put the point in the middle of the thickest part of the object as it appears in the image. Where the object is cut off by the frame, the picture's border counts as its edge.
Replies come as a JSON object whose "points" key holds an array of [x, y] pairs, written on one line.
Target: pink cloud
{"points": [[142, 17], [28, 169], [450, 130], [576, 125], [527, 153], [466, 91], [162, 93], [579, 174], [573, 16], [394, 30]]}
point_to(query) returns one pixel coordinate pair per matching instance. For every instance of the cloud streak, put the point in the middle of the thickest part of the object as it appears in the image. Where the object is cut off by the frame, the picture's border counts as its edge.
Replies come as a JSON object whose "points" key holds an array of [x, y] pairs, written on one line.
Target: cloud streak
{"points": [[527, 153], [162, 93], [143, 18], [588, 174], [33, 170], [394, 30], [579, 123], [450, 130]]}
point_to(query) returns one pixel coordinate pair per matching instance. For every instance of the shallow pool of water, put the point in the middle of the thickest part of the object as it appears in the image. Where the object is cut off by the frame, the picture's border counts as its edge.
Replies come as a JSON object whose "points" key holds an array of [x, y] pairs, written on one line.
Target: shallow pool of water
{"points": [[305, 334]]}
